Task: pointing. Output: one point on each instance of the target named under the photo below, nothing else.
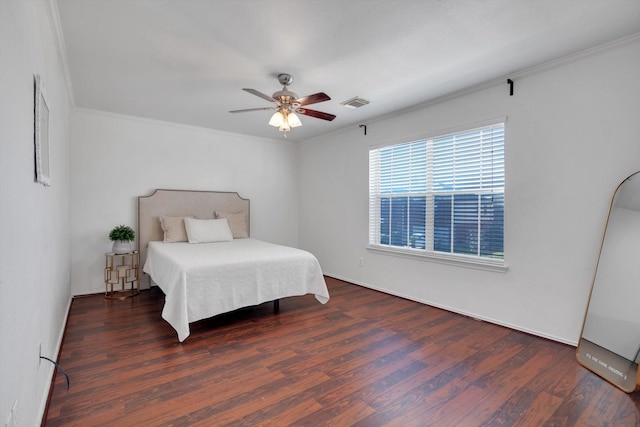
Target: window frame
(458, 259)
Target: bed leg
(276, 306)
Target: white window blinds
(443, 194)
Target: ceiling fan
(287, 104)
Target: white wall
(34, 220)
(115, 159)
(573, 133)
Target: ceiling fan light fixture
(284, 127)
(293, 120)
(284, 120)
(277, 119)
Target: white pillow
(208, 230)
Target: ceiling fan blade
(316, 114)
(313, 99)
(252, 109)
(260, 94)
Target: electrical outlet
(361, 262)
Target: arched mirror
(610, 340)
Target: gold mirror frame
(608, 340)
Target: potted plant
(122, 236)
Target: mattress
(206, 279)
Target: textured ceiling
(186, 61)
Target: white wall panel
(117, 158)
(34, 220)
(572, 134)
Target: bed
(196, 247)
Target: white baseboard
(457, 311)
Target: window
(442, 196)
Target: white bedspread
(205, 279)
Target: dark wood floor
(364, 359)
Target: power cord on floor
(59, 368)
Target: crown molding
(56, 28)
(502, 80)
(176, 125)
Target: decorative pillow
(208, 230)
(173, 227)
(237, 222)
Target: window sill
(457, 260)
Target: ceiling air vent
(356, 102)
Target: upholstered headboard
(200, 204)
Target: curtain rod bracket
(510, 87)
(365, 128)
